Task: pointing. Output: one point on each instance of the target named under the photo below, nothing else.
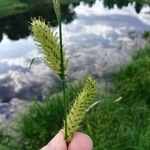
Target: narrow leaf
(31, 63)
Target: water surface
(96, 36)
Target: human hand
(79, 141)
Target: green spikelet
(80, 107)
(56, 4)
(49, 43)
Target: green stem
(63, 75)
(65, 106)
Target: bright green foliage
(43, 120)
(9, 7)
(53, 54)
(49, 44)
(113, 126)
(133, 81)
(80, 106)
(7, 140)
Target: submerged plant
(55, 58)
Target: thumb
(81, 141)
(57, 143)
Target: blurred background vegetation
(122, 125)
(115, 125)
(11, 7)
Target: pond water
(99, 36)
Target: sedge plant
(55, 58)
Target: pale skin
(80, 141)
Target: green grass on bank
(40, 123)
(116, 127)
(133, 80)
(122, 125)
(11, 7)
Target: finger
(57, 143)
(80, 141)
(44, 148)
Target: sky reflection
(96, 41)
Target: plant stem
(65, 107)
(63, 75)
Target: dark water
(96, 34)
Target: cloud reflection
(97, 42)
(16, 79)
(98, 39)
